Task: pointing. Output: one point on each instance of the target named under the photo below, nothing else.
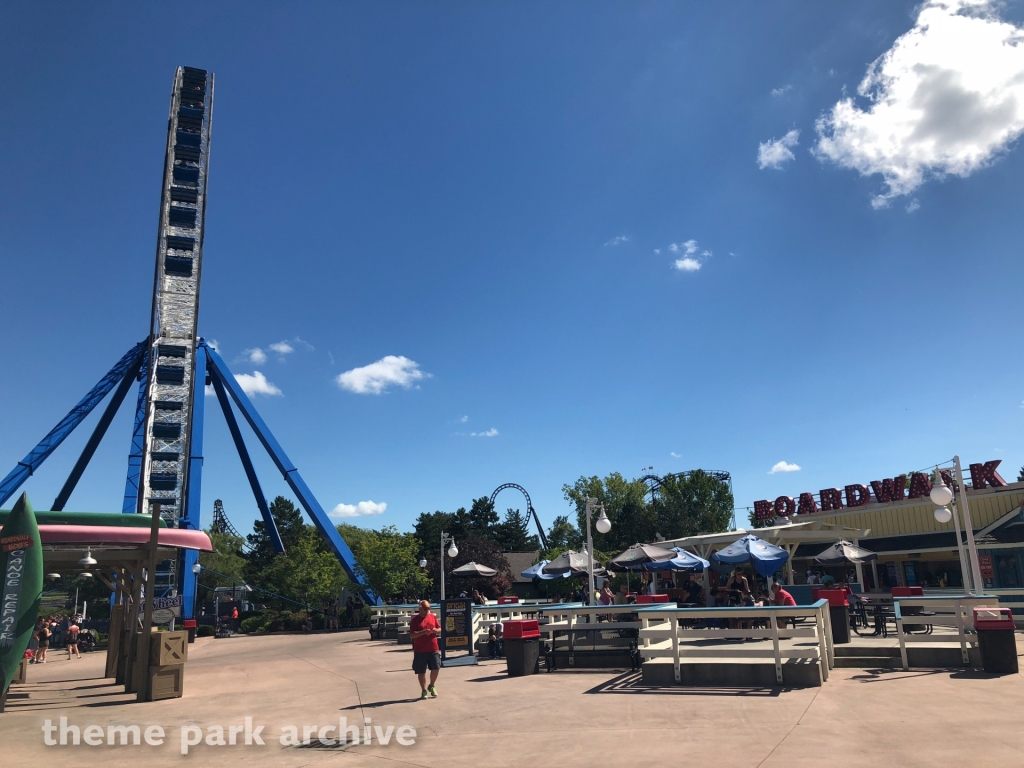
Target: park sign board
(884, 491)
(21, 587)
(456, 626)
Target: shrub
(252, 624)
(295, 620)
(205, 630)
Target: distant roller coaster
(656, 484)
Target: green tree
(288, 519)
(483, 520)
(1020, 475)
(429, 525)
(513, 533)
(226, 558)
(692, 504)
(632, 521)
(307, 572)
(389, 562)
(563, 535)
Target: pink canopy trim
(112, 534)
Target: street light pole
(971, 547)
(452, 552)
(603, 526)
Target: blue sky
(602, 236)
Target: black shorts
(421, 662)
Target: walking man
(424, 629)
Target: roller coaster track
(529, 509)
(655, 485)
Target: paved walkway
(859, 718)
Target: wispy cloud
(492, 432)
(777, 152)
(256, 356)
(213, 344)
(784, 466)
(463, 419)
(617, 240)
(674, 455)
(256, 383)
(376, 378)
(946, 99)
(282, 348)
(782, 91)
(362, 509)
(691, 257)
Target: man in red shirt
(781, 597)
(424, 629)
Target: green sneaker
(424, 695)
(432, 691)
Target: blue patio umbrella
(683, 561)
(537, 572)
(766, 558)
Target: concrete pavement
(879, 718)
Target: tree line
(388, 559)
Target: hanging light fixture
(603, 524)
(941, 494)
(88, 561)
(943, 515)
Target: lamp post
(603, 526)
(452, 552)
(942, 495)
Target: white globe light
(603, 524)
(453, 551)
(943, 515)
(941, 495)
(423, 563)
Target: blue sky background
(481, 188)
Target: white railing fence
(952, 612)
(662, 636)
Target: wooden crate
(166, 682)
(21, 674)
(168, 648)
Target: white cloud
(375, 378)
(690, 260)
(213, 344)
(687, 264)
(913, 205)
(657, 250)
(674, 455)
(781, 91)
(362, 509)
(618, 240)
(463, 419)
(282, 347)
(256, 383)
(688, 248)
(946, 99)
(777, 152)
(784, 466)
(255, 356)
(492, 432)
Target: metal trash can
(996, 640)
(839, 614)
(190, 626)
(522, 647)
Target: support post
(291, 475)
(142, 659)
(250, 471)
(97, 435)
(35, 458)
(130, 504)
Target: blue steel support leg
(97, 435)
(291, 476)
(250, 471)
(130, 505)
(193, 509)
(27, 466)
